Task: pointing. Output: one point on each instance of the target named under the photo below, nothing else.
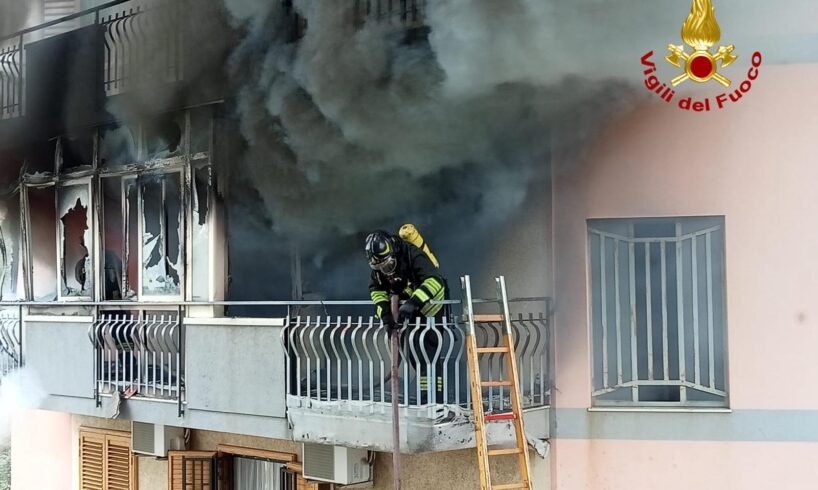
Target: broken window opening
(201, 130)
(162, 235)
(75, 241)
(163, 137)
(42, 239)
(10, 248)
(40, 161)
(118, 145)
(200, 235)
(10, 166)
(76, 152)
(120, 238)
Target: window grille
(658, 311)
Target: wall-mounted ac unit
(336, 464)
(156, 440)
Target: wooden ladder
(484, 452)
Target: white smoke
(20, 390)
(14, 15)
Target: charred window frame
(40, 240)
(113, 215)
(76, 241)
(162, 246)
(11, 247)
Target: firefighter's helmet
(382, 252)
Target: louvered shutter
(92, 461)
(117, 463)
(106, 462)
(191, 470)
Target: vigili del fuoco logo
(701, 32)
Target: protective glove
(407, 311)
(389, 324)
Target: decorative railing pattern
(11, 78)
(143, 44)
(348, 359)
(11, 355)
(657, 309)
(139, 356)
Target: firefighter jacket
(416, 279)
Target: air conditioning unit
(336, 464)
(156, 440)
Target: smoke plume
(355, 126)
(13, 16)
(361, 126)
(19, 390)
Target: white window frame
(620, 375)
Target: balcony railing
(11, 78)
(341, 359)
(143, 45)
(139, 355)
(11, 354)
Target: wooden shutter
(117, 462)
(106, 462)
(295, 477)
(191, 470)
(92, 461)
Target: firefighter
(402, 269)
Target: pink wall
(42, 448)
(756, 163)
(614, 465)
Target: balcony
(339, 381)
(311, 378)
(107, 51)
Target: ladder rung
(509, 486)
(488, 318)
(495, 384)
(489, 350)
(500, 416)
(504, 452)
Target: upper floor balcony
(141, 45)
(310, 375)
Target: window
(10, 248)
(658, 311)
(42, 242)
(75, 242)
(162, 253)
(106, 462)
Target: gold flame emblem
(701, 32)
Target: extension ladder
(484, 452)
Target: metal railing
(143, 44)
(327, 357)
(348, 359)
(139, 355)
(658, 333)
(11, 352)
(11, 77)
